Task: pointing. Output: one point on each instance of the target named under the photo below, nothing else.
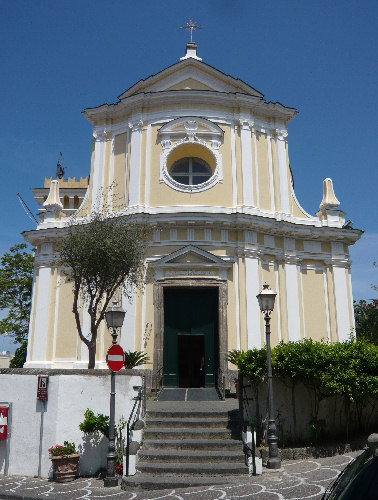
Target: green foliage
(104, 254)
(233, 356)
(252, 364)
(95, 423)
(304, 360)
(348, 369)
(19, 357)
(353, 372)
(366, 319)
(135, 358)
(62, 451)
(16, 280)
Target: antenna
(26, 208)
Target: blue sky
(58, 58)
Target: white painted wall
(69, 395)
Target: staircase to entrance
(191, 438)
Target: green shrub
(135, 358)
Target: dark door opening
(191, 346)
(191, 358)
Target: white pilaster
(86, 331)
(246, 161)
(344, 327)
(148, 167)
(56, 315)
(127, 337)
(41, 315)
(98, 168)
(256, 168)
(327, 305)
(237, 303)
(233, 165)
(270, 168)
(111, 178)
(253, 311)
(278, 307)
(292, 292)
(135, 162)
(292, 299)
(282, 171)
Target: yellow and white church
(203, 158)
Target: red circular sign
(115, 357)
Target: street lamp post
(114, 317)
(266, 300)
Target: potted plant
(65, 462)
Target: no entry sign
(115, 358)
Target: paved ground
(297, 480)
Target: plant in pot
(65, 462)
(135, 358)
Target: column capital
(246, 124)
(279, 134)
(136, 126)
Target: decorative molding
(185, 130)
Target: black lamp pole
(114, 318)
(266, 300)
(274, 461)
(111, 479)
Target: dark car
(359, 479)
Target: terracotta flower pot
(65, 468)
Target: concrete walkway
(301, 479)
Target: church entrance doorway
(191, 345)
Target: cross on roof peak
(191, 26)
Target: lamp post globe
(266, 300)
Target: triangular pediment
(191, 256)
(191, 74)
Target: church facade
(203, 158)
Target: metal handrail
(139, 407)
(244, 405)
(251, 451)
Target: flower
(65, 450)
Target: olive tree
(102, 255)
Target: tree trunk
(92, 355)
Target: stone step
(187, 422)
(188, 456)
(178, 413)
(186, 433)
(192, 444)
(168, 482)
(213, 469)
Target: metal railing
(138, 410)
(243, 405)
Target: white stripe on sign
(115, 357)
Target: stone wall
(294, 415)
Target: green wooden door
(190, 337)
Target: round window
(190, 171)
